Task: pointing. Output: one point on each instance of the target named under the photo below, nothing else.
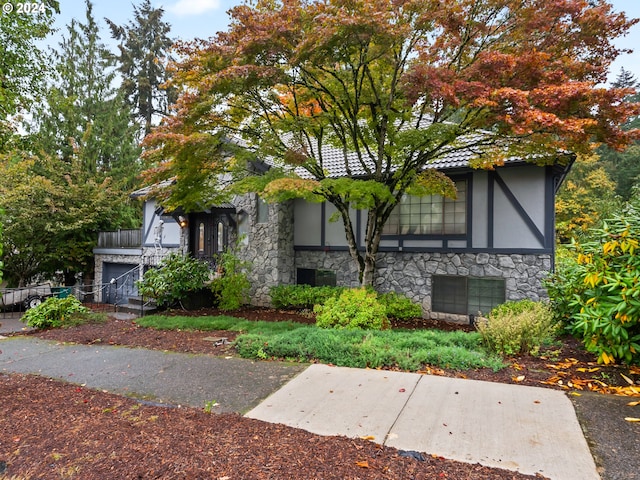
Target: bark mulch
(50, 429)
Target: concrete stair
(138, 306)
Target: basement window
(316, 278)
(466, 295)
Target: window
(316, 278)
(431, 215)
(201, 238)
(263, 211)
(243, 228)
(221, 239)
(465, 295)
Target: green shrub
(354, 308)
(404, 350)
(302, 296)
(55, 312)
(596, 292)
(565, 285)
(232, 287)
(173, 279)
(399, 306)
(307, 297)
(516, 328)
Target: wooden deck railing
(120, 239)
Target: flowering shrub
(597, 294)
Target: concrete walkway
(509, 426)
(531, 430)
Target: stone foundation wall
(411, 273)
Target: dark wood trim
(505, 251)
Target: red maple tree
(392, 86)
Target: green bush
(596, 292)
(307, 297)
(354, 308)
(516, 328)
(55, 312)
(232, 287)
(173, 279)
(302, 296)
(399, 306)
(410, 351)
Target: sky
(191, 19)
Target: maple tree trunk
(372, 242)
(367, 273)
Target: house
(456, 258)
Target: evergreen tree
(144, 46)
(624, 167)
(22, 64)
(85, 117)
(87, 161)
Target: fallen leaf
(575, 394)
(632, 419)
(519, 378)
(627, 379)
(402, 390)
(363, 464)
(368, 437)
(633, 404)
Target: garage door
(119, 280)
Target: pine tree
(144, 46)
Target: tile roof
(335, 166)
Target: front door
(208, 235)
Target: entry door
(209, 235)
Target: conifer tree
(85, 116)
(144, 51)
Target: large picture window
(430, 215)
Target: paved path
(531, 430)
(510, 426)
(178, 379)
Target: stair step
(137, 309)
(138, 300)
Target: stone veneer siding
(269, 248)
(411, 273)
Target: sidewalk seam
(415, 386)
